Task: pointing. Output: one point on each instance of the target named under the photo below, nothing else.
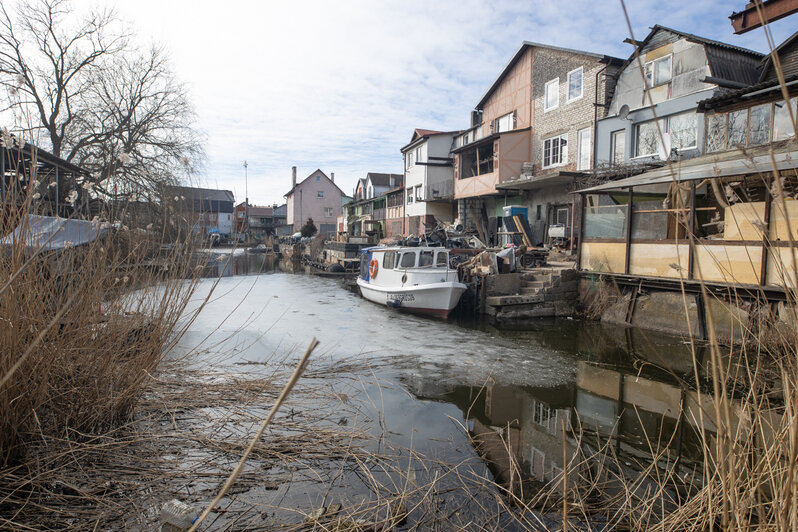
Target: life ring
(373, 268)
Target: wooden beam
(628, 250)
(748, 19)
(763, 267)
(691, 248)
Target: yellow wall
(778, 223)
(729, 264)
(608, 257)
(742, 219)
(657, 260)
(780, 267)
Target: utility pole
(246, 200)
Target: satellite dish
(623, 112)
(664, 147)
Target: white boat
(413, 279)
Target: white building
(429, 179)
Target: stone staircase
(543, 292)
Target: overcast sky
(341, 85)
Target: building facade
(316, 197)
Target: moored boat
(415, 279)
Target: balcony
(443, 190)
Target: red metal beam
(772, 10)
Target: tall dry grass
(82, 328)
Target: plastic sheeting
(51, 233)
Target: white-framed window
(418, 193)
(410, 195)
(504, 123)
(583, 148)
(319, 193)
(551, 99)
(240, 214)
(418, 154)
(328, 212)
(681, 130)
(575, 84)
(370, 193)
(658, 71)
(410, 158)
(555, 151)
(618, 146)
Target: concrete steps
(542, 292)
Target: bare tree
(100, 102)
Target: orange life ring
(373, 268)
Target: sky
(341, 86)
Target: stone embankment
(532, 293)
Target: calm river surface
(439, 386)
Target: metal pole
(246, 198)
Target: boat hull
(434, 299)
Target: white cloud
(341, 85)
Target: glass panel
(738, 128)
(408, 259)
(583, 149)
(552, 95)
(442, 260)
(759, 132)
(650, 221)
(425, 259)
(618, 146)
(390, 260)
(716, 133)
(683, 130)
(604, 218)
(647, 139)
(662, 70)
(575, 84)
(782, 129)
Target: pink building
(317, 197)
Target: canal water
(498, 401)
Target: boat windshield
(425, 259)
(389, 260)
(442, 259)
(408, 259)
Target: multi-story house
(316, 197)
(720, 209)
(395, 221)
(531, 133)
(367, 214)
(429, 179)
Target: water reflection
(229, 262)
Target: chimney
(332, 177)
(293, 176)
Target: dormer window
(658, 71)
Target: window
(212, 217)
(583, 147)
(418, 154)
(442, 259)
(425, 259)
(539, 213)
(647, 141)
(552, 96)
(782, 128)
(410, 195)
(683, 130)
(738, 128)
(318, 178)
(408, 260)
(410, 158)
(389, 260)
(759, 120)
(555, 151)
(716, 132)
(418, 193)
(319, 193)
(575, 84)
(658, 71)
(504, 123)
(240, 214)
(328, 212)
(618, 146)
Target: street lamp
(246, 200)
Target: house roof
(317, 170)
(419, 134)
(787, 57)
(212, 194)
(726, 61)
(701, 168)
(256, 210)
(529, 44)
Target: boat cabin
(402, 259)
